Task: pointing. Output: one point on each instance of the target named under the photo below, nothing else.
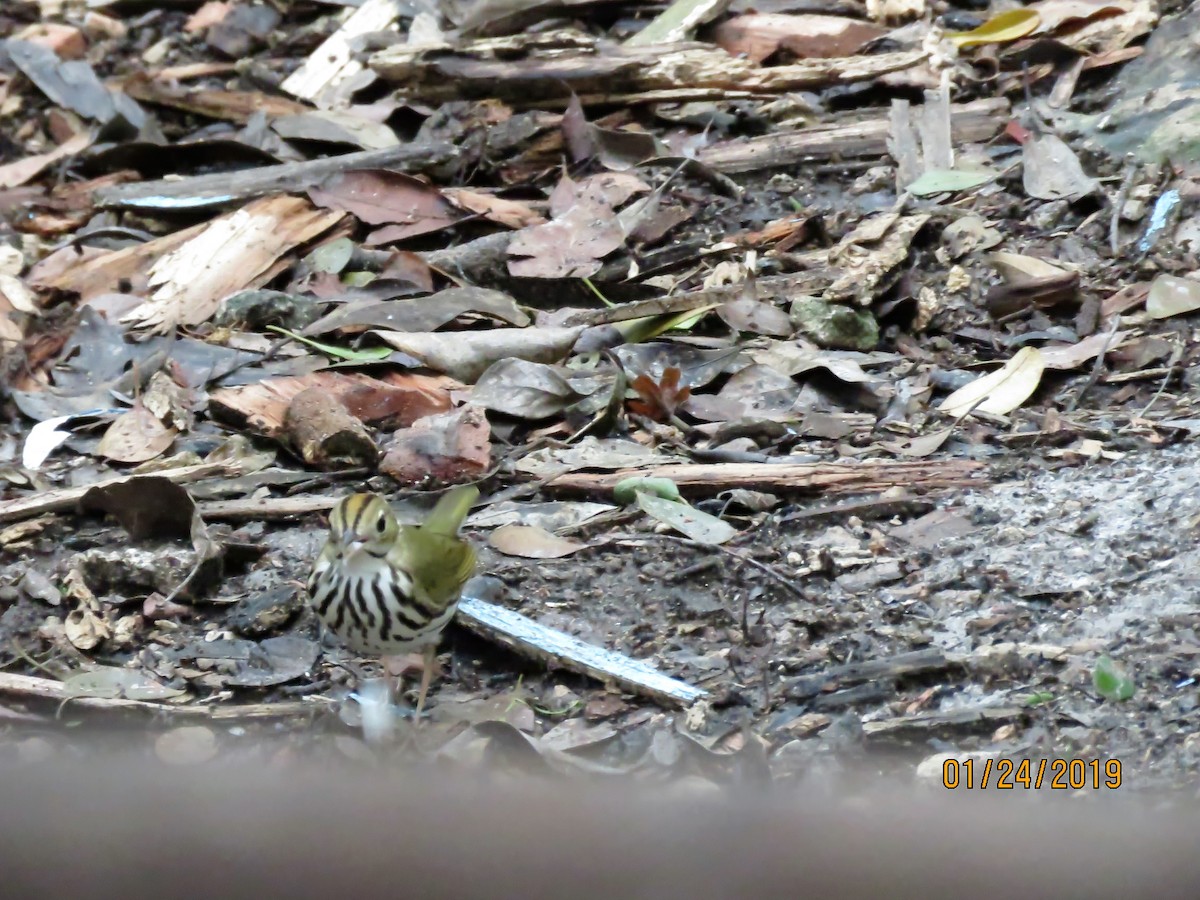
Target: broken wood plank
(528, 638)
(221, 188)
(701, 478)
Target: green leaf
(948, 181)
(697, 525)
(1038, 698)
(1111, 681)
(368, 354)
(627, 489)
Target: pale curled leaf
(1171, 295)
(531, 542)
(1001, 391)
(466, 355)
(697, 525)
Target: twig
(1172, 362)
(1114, 237)
(1094, 375)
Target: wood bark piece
(45, 690)
(333, 62)
(698, 478)
(528, 638)
(979, 120)
(255, 509)
(321, 428)
(236, 251)
(559, 63)
(921, 727)
(224, 188)
(871, 670)
(64, 499)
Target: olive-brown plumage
(386, 588)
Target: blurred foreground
(120, 826)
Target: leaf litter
(704, 312)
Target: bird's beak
(351, 543)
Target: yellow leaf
(1002, 391)
(1000, 29)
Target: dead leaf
(1171, 295)
(380, 197)
(531, 542)
(659, 399)
(1052, 171)
(135, 436)
(1001, 391)
(528, 390)
(466, 355)
(759, 35)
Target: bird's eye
(380, 525)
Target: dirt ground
(1003, 614)
(993, 605)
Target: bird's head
(362, 523)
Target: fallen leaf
(450, 448)
(1001, 391)
(1171, 295)
(531, 542)
(697, 525)
(524, 389)
(1002, 28)
(135, 437)
(466, 355)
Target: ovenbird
(386, 588)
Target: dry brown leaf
(758, 35)
(135, 436)
(531, 542)
(380, 197)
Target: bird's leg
(429, 655)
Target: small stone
(267, 612)
(37, 586)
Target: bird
(390, 589)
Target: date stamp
(1010, 774)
